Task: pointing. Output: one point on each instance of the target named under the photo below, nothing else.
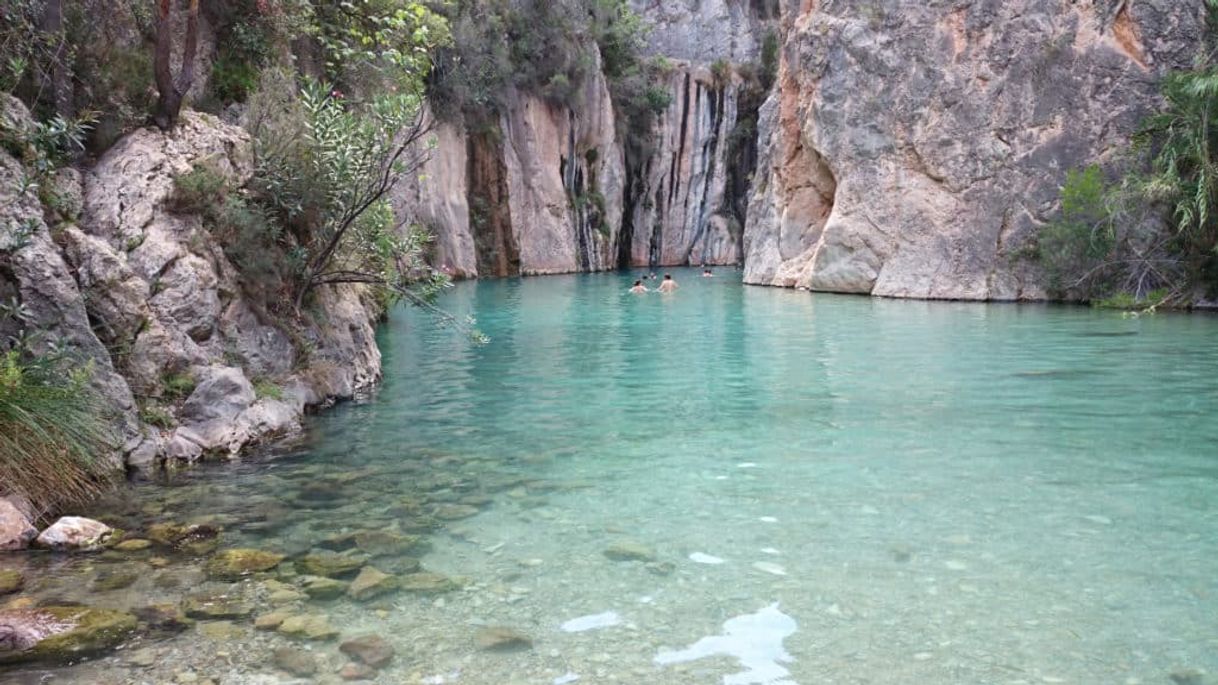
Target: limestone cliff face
(536, 190)
(677, 207)
(912, 149)
(147, 293)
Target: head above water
(668, 277)
(638, 282)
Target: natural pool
(824, 489)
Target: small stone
(330, 564)
(661, 568)
(630, 550)
(272, 620)
(426, 583)
(16, 531)
(372, 650)
(142, 658)
(286, 597)
(379, 543)
(216, 607)
(297, 662)
(234, 564)
(221, 631)
(75, 534)
(354, 671)
(164, 617)
(11, 581)
(501, 639)
(453, 512)
(371, 583)
(133, 545)
(322, 588)
(308, 626)
(115, 579)
(1187, 676)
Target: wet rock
(61, 634)
(1187, 676)
(286, 597)
(11, 581)
(216, 607)
(297, 662)
(501, 639)
(629, 550)
(16, 531)
(75, 534)
(453, 512)
(426, 583)
(322, 588)
(661, 568)
(330, 564)
(198, 539)
(164, 617)
(354, 671)
(116, 579)
(309, 627)
(142, 658)
(399, 565)
(371, 650)
(273, 620)
(234, 564)
(221, 631)
(371, 583)
(379, 543)
(133, 545)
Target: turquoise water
(892, 491)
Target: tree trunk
(171, 91)
(61, 76)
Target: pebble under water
(735, 485)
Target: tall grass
(54, 431)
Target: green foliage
(199, 191)
(155, 415)
(385, 42)
(177, 386)
(266, 388)
(1130, 302)
(53, 426)
(769, 59)
(1071, 246)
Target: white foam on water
(647, 599)
(770, 567)
(769, 519)
(754, 639)
(769, 550)
(565, 679)
(746, 465)
(720, 477)
(700, 558)
(592, 622)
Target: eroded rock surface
(913, 149)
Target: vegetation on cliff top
(1107, 243)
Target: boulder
(16, 531)
(371, 650)
(371, 583)
(75, 534)
(61, 634)
(234, 564)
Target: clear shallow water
(928, 493)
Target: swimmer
(668, 285)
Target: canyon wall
(912, 149)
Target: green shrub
(1077, 242)
(155, 415)
(177, 386)
(264, 387)
(201, 190)
(54, 429)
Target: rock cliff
(147, 295)
(912, 149)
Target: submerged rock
(116, 578)
(355, 671)
(379, 543)
(371, 583)
(454, 512)
(297, 662)
(308, 626)
(217, 607)
(11, 581)
(371, 650)
(198, 539)
(330, 564)
(75, 534)
(16, 531)
(630, 550)
(164, 617)
(61, 634)
(133, 545)
(320, 587)
(427, 583)
(233, 564)
(501, 639)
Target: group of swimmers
(667, 285)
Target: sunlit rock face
(912, 149)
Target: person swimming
(638, 287)
(667, 285)
(706, 273)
